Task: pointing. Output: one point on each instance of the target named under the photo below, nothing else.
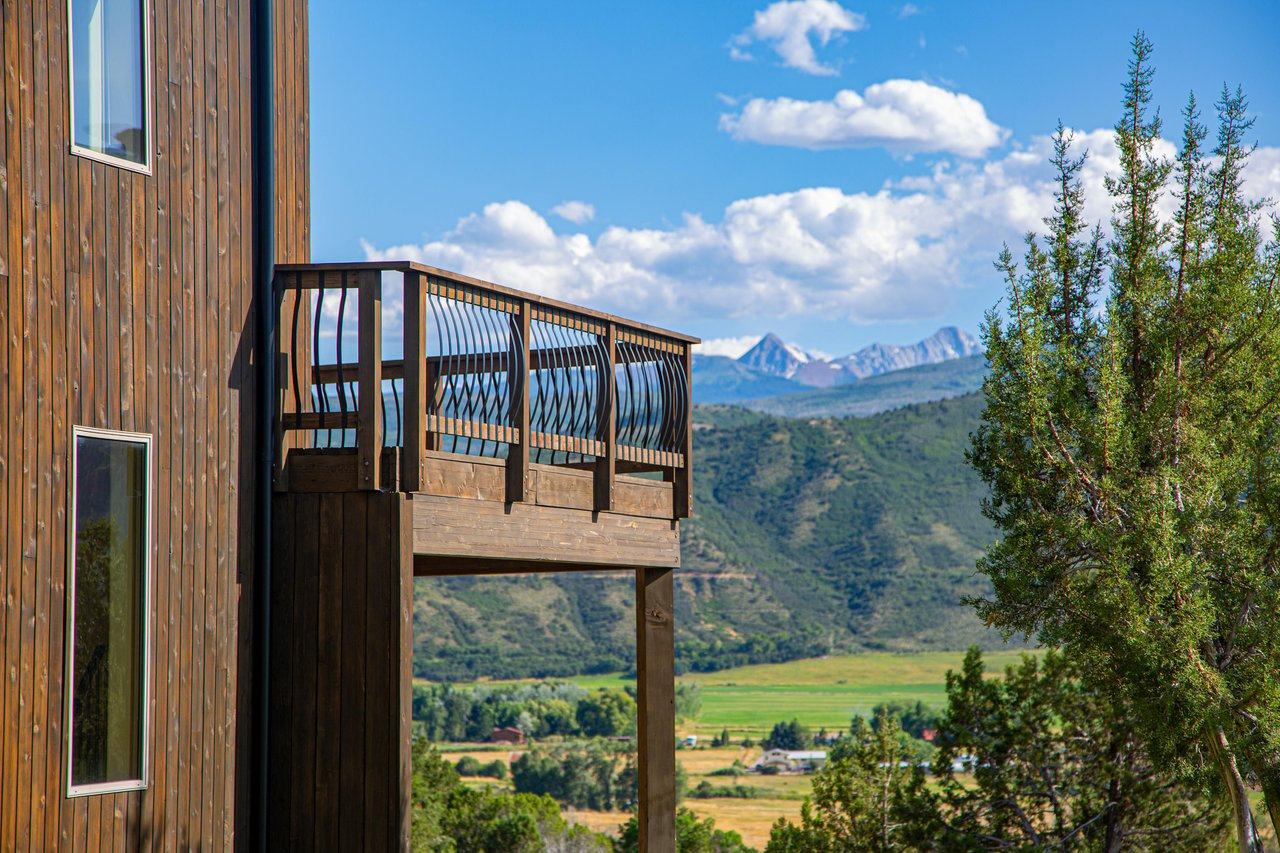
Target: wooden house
(506, 734)
(220, 476)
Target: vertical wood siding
(126, 302)
(342, 592)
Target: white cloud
(728, 347)
(789, 27)
(575, 211)
(904, 116)
(906, 251)
(908, 10)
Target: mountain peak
(774, 356)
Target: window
(108, 660)
(110, 81)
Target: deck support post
(655, 687)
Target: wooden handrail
(309, 280)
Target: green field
(820, 692)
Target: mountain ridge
(809, 536)
(773, 368)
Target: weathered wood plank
(330, 636)
(355, 515)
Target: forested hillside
(809, 536)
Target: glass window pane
(108, 80)
(107, 674)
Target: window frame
(148, 98)
(143, 782)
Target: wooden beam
(414, 432)
(655, 687)
(518, 390)
(552, 536)
(369, 429)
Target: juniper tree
(1131, 440)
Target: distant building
(506, 734)
(793, 760)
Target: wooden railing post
(656, 712)
(607, 465)
(518, 371)
(414, 432)
(683, 479)
(369, 416)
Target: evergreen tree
(1133, 452)
(865, 799)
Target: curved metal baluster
(647, 423)
(457, 364)
(685, 407)
(448, 395)
(493, 403)
(583, 408)
(653, 397)
(552, 359)
(481, 359)
(474, 384)
(632, 397)
(315, 360)
(395, 396)
(382, 399)
(537, 405)
(342, 393)
(436, 390)
(564, 404)
(603, 390)
(622, 381)
(293, 352)
(669, 409)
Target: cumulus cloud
(728, 347)
(908, 10)
(577, 212)
(906, 251)
(904, 116)
(789, 27)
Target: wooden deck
(501, 433)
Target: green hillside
(880, 393)
(811, 536)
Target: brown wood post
(414, 433)
(607, 465)
(518, 368)
(655, 687)
(369, 420)
(683, 480)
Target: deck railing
(475, 369)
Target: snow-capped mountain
(943, 345)
(773, 357)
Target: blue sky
(719, 182)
